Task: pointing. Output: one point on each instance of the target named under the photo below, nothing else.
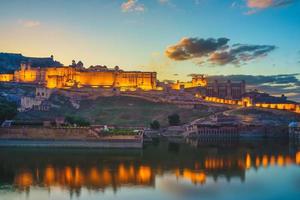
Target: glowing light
(265, 161)
(248, 161)
(144, 174)
(257, 162)
(280, 160)
(272, 161)
(49, 177)
(298, 158)
(25, 180)
(95, 176)
(195, 177)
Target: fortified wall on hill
(64, 77)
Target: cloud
(132, 6)
(189, 48)
(240, 54)
(164, 1)
(257, 5)
(216, 51)
(29, 23)
(262, 4)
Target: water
(199, 170)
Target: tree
(78, 121)
(73, 63)
(79, 65)
(155, 125)
(8, 110)
(174, 119)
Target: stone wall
(64, 137)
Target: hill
(10, 62)
(124, 111)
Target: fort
(197, 81)
(75, 81)
(260, 100)
(67, 77)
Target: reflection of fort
(74, 178)
(98, 171)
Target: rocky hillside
(11, 61)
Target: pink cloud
(257, 5)
(262, 4)
(132, 6)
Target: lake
(248, 169)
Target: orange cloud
(132, 6)
(262, 4)
(259, 3)
(256, 5)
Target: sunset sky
(173, 37)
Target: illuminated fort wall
(27, 75)
(95, 78)
(62, 77)
(6, 77)
(197, 81)
(59, 77)
(119, 79)
(247, 102)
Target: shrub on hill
(155, 125)
(8, 110)
(174, 119)
(75, 120)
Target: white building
(294, 130)
(37, 102)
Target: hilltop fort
(78, 83)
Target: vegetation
(155, 125)
(122, 111)
(78, 121)
(8, 110)
(121, 132)
(174, 119)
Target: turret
(23, 65)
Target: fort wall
(246, 102)
(64, 77)
(6, 77)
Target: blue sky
(135, 34)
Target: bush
(75, 120)
(122, 132)
(174, 119)
(155, 125)
(8, 110)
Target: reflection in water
(298, 158)
(97, 170)
(92, 178)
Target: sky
(176, 38)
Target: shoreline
(65, 137)
(58, 143)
